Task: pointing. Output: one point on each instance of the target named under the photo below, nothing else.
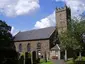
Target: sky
(25, 15)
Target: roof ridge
(38, 29)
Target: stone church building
(45, 41)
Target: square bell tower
(63, 16)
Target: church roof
(35, 34)
(56, 47)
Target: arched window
(20, 47)
(28, 47)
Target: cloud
(46, 22)
(14, 31)
(77, 7)
(18, 7)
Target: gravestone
(34, 57)
(21, 60)
(27, 58)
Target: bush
(38, 60)
(80, 62)
(69, 62)
(83, 58)
(41, 60)
(76, 61)
(8, 56)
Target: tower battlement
(63, 9)
(60, 9)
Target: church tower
(63, 16)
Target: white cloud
(77, 7)
(14, 31)
(46, 22)
(18, 7)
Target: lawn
(49, 62)
(67, 62)
(71, 61)
(43, 62)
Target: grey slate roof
(34, 34)
(56, 47)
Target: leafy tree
(5, 35)
(8, 55)
(78, 31)
(72, 38)
(68, 42)
(64, 45)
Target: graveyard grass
(67, 62)
(49, 62)
(43, 62)
(71, 61)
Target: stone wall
(33, 44)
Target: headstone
(27, 58)
(34, 57)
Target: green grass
(43, 62)
(71, 61)
(83, 58)
(67, 62)
(49, 62)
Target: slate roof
(43, 33)
(56, 47)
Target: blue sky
(25, 15)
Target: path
(58, 61)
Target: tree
(5, 35)
(67, 41)
(7, 48)
(64, 45)
(78, 31)
(72, 38)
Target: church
(44, 42)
